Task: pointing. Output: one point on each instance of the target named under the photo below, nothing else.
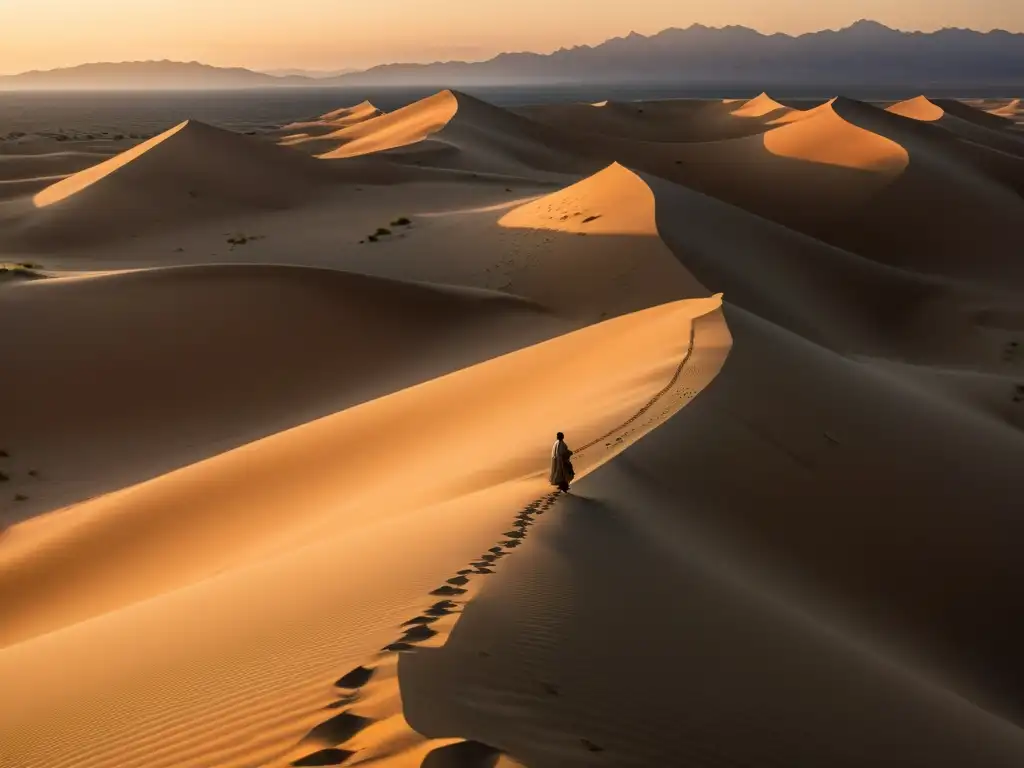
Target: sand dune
(865, 180)
(305, 506)
(189, 172)
(296, 134)
(978, 126)
(1009, 110)
(734, 596)
(453, 130)
(762, 106)
(681, 120)
(276, 428)
(171, 366)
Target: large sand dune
(682, 120)
(453, 130)
(865, 180)
(275, 425)
(189, 172)
(304, 131)
(128, 375)
(758, 606)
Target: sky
(336, 34)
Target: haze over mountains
(866, 52)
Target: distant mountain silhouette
(866, 53)
(146, 75)
(315, 74)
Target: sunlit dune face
(83, 179)
(614, 202)
(918, 108)
(761, 106)
(828, 139)
(401, 128)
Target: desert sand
(277, 412)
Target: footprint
(398, 647)
(512, 544)
(345, 701)
(357, 678)
(448, 590)
(514, 534)
(464, 571)
(420, 620)
(496, 550)
(442, 608)
(550, 689)
(465, 754)
(338, 729)
(458, 581)
(591, 746)
(325, 757)
(418, 633)
(483, 570)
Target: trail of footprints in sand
(341, 728)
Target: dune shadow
(336, 730)
(465, 754)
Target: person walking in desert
(562, 471)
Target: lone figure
(562, 472)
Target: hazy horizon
(264, 36)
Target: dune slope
(315, 506)
(313, 523)
(190, 172)
(739, 603)
(453, 130)
(129, 375)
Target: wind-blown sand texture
(277, 412)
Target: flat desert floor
(277, 406)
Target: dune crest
(453, 130)
(189, 172)
(302, 132)
(918, 108)
(244, 332)
(830, 139)
(761, 106)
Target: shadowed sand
(277, 413)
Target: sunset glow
(329, 34)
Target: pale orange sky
(332, 34)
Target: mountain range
(864, 53)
